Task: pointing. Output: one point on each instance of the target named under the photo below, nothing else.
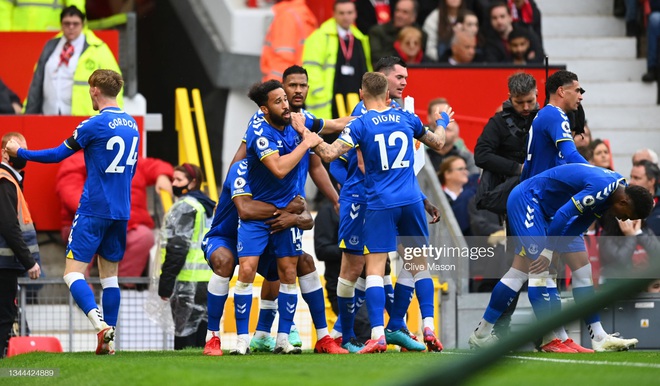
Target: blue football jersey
(255, 124)
(385, 139)
(549, 127)
(110, 141)
(225, 221)
(263, 140)
(586, 186)
(353, 187)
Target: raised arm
(330, 152)
(322, 179)
(280, 166)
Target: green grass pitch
(190, 367)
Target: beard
(278, 120)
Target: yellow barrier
(188, 145)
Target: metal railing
(48, 309)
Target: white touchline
(575, 361)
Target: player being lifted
(394, 199)
(110, 142)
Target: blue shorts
(211, 244)
(571, 244)
(254, 239)
(267, 264)
(381, 228)
(528, 224)
(529, 227)
(351, 223)
(94, 235)
(267, 267)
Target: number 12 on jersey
(391, 141)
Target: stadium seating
(24, 344)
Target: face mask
(17, 163)
(179, 191)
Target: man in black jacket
(500, 152)
(19, 251)
(501, 147)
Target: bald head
(463, 46)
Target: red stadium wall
(473, 92)
(26, 48)
(44, 132)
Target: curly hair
(642, 200)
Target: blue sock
(110, 299)
(540, 300)
(266, 315)
(375, 295)
(360, 297)
(347, 310)
(425, 295)
(316, 303)
(581, 294)
(500, 299)
(337, 327)
(555, 300)
(215, 305)
(287, 302)
(403, 294)
(242, 307)
(83, 296)
(389, 294)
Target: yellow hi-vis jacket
(41, 15)
(96, 55)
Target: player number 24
(391, 141)
(132, 154)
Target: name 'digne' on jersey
(385, 118)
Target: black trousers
(8, 309)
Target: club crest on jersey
(533, 249)
(354, 240)
(262, 143)
(239, 246)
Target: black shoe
(649, 77)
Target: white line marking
(574, 361)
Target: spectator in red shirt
(140, 237)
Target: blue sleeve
(237, 179)
(48, 156)
(564, 223)
(570, 153)
(351, 133)
(418, 127)
(339, 170)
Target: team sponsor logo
(279, 143)
(588, 200)
(262, 143)
(239, 182)
(529, 217)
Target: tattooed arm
(434, 140)
(330, 152)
